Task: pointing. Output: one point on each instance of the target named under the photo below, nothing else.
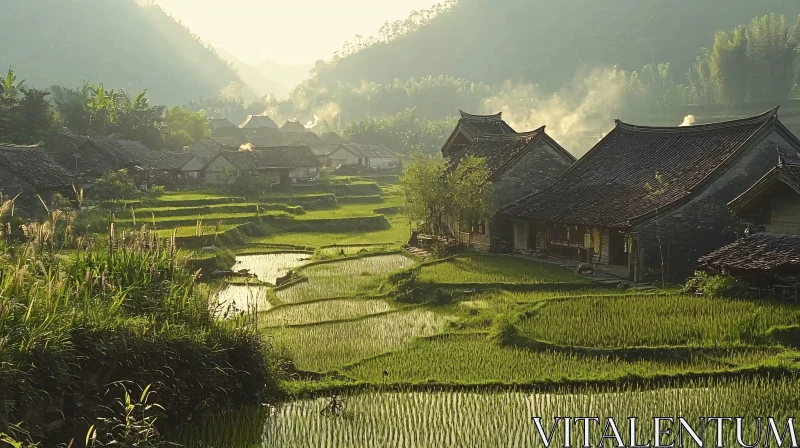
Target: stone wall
(705, 223)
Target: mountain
(547, 41)
(123, 43)
(268, 77)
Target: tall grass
(71, 324)
(657, 320)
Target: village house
(375, 156)
(254, 122)
(27, 171)
(611, 209)
(518, 165)
(177, 169)
(767, 257)
(294, 126)
(91, 157)
(470, 126)
(219, 123)
(209, 147)
(277, 166)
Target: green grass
(474, 359)
(209, 217)
(488, 269)
(399, 232)
(189, 231)
(656, 321)
(324, 310)
(345, 211)
(329, 346)
(342, 278)
(246, 207)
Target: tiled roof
(332, 138)
(258, 121)
(217, 123)
(172, 160)
(500, 151)
(484, 124)
(274, 157)
(361, 150)
(758, 252)
(787, 171)
(34, 166)
(294, 126)
(607, 186)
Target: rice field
(187, 231)
(324, 310)
(398, 232)
(236, 298)
(342, 278)
(487, 269)
(330, 346)
(503, 418)
(268, 267)
(656, 321)
(473, 359)
(349, 251)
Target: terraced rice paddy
(476, 360)
(656, 321)
(342, 278)
(236, 298)
(325, 310)
(503, 418)
(329, 346)
(397, 233)
(496, 269)
(268, 267)
(349, 251)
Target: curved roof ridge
(716, 126)
(468, 116)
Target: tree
(185, 127)
(471, 191)
(116, 185)
(426, 191)
(432, 193)
(26, 116)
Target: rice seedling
(349, 251)
(471, 358)
(324, 310)
(398, 232)
(503, 418)
(268, 267)
(342, 278)
(657, 320)
(329, 346)
(489, 269)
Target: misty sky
(287, 31)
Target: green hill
(123, 43)
(546, 41)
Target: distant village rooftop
(33, 166)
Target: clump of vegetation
(715, 285)
(407, 288)
(504, 328)
(127, 312)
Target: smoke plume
(689, 120)
(577, 116)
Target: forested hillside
(545, 41)
(130, 45)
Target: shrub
(116, 185)
(504, 328)
(716, 285)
